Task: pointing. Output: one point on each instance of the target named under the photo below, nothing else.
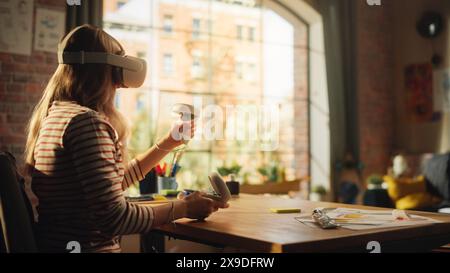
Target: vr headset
(127, 71)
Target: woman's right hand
(198, 206)
(180, 132)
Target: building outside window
(250, 74)
(196, 28)
(120, 4)
(168, 64)
(239, 70)
(168, 24)
(197, 71)
(251, 34)
(239, 32)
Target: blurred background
(357, 83)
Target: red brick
(34, 87)
(21, 77)
(375, 87)
(17, 118)
(12, 139)
(20, 58)
(5, 78)
(51, 59)
(40, 78)
(5, 58)
(44, 69)
(15, 97)
(15, 87)
(37, 58)
(53, 3)
(16, 67)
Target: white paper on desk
(356, 219)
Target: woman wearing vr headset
(76, 156)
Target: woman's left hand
(180, 132)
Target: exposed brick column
(375, 85)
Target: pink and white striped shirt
(79, 179)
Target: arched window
(227, 53)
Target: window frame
(196, 28)
(197, 34)
(168, 67)
(168, 28)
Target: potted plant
(374, 181)
(318, 193)
(226, 171)
(376, 195)
(270, 173)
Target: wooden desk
(249, 225)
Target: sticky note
(169, 192)
(159, 197)
(285, 210)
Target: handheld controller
(221, 191)
(186, 113)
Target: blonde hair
(89, 85)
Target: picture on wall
(16, 26)
(50, 26)
(419, 93)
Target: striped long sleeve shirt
(79, 179)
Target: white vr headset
(129, 72)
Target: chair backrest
(17, 226)
(437, 171)
(4, 245)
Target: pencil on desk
(175, 169)
(158, 170)
(173, 160)
(178, 157)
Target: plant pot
(374, 186)
(317, 197)
(233, 186)
(166, 183)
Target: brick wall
(375, 85)
(22, 79)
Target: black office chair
(437, 174)
(15, 210)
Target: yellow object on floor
(417, 201)
(403, 186)
(410, 193)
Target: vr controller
(221, 192)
